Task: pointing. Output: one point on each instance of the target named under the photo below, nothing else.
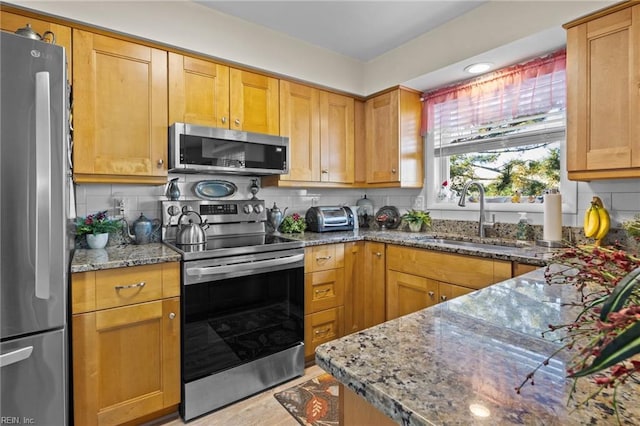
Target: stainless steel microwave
(200, 149)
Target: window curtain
(534, 87)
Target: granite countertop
(132, 255)
(494, 248)
(85, 260)
(435, 366)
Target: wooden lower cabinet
(523, 268)
(324, 290)
(364, 302)
(126, 359)
(355, 410)
(419, 278)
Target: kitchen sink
(468, 244)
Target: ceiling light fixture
(478, 68)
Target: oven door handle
(226, 269)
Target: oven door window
(238, 320)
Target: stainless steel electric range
(242, 303)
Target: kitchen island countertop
(120, 256)
(442, 364)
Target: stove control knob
(258, 208)
(186, 209)
(173, 210)
(247, 208)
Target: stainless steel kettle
(30, 33)
(191, 233)
(275, 216)
(143, 228)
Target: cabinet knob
(393, 171)
(378, 254)
(431, 294)
(172, 315)
(224, 120)
(325, 171)
(443, 297)
(237, 121)
(160, 162)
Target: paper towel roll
(552, 230)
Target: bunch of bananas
(596, 221)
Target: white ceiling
(361, 30)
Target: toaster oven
(330, 218)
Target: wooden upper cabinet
(603, 95)
(120, 110)
(198, 91)
(336, 138)
(300, 122)
(11, 22)
(393, 142)
(254, 100)
(320, 128)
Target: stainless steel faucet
(481, 222)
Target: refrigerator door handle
(15, 356)
(43, 189)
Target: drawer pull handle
(322, 331)
(323, 258)
(431, 293)
(443, 298)
(138, 285)
(326, 290)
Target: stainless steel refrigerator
(34, 211)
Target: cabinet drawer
(323, 290)
(321, 327)
(322, 258)
(110, 288)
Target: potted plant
(293, 223)
(97, 227)
(416, 218)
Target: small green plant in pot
(293, 224)
(416, 219)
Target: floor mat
(314, 402)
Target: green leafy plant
(633, 227)
(97, 223)
(293, 223)
(605, 336)
(417, 216)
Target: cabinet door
(337, 117)
(374, 288)
(300, 121)
(354, 287)
(603, 103)
(450, 291)
(11, 22)
(254, 102)
(126, 362)
(408, 293)
(382, 135)
(120, 110)
(198, 91)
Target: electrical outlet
(418, 203)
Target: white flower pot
(97, 241)
(415, 226)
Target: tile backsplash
(622, 198)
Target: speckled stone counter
(85, 260)
(439, 365)
(492, 247)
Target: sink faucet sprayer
(481, 222)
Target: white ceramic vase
(97, 241)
